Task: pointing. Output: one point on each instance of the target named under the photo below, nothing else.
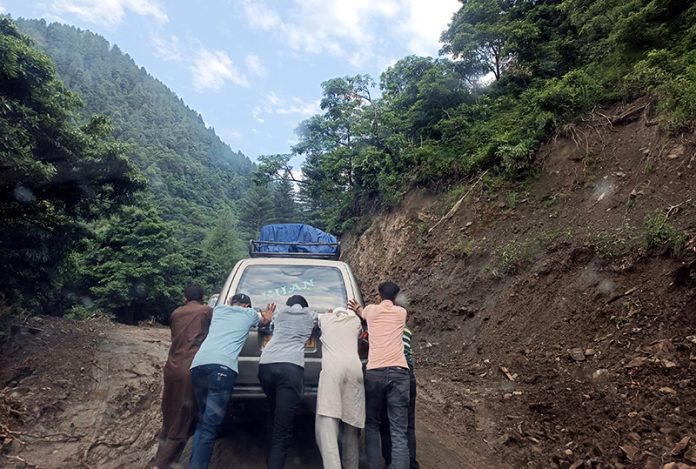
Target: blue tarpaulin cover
(296, 233)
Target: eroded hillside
(555, 320)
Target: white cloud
(425, 22)
(260, 16)
(168, 49)
(321, 26)
(272, 99)
(2, 9)
(299, 106)
(354, 29)
(254, 65)
(231, 134)
(211, 69)
(108, 12)
(357, 59)
(256, 114)
(324, 25)
(273, 104)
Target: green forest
(115, 194)
(433, 122)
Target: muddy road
(244, 445)
(87, 394)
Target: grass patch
(660, 233)
(79, 313)
(451, 197)
(421, 234)
(492, 183)
(657, 233)
(462, 247)
(517, 254)
(609, 244)
(512, 199)
(514, 256)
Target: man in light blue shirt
(214, 370)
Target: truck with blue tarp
(289, 259)
(294, 240)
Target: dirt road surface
(87, 395)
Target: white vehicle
(325, 283)
(212, 301)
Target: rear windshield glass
(321, 286)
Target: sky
(253, 68)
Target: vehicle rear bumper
(248, 401)
(248, 386)
(251, 392)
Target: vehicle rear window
(321, 286)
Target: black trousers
(283, 384)
(410, 433)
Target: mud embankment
(546, 333)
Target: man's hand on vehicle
(267, 314)
(355, 306)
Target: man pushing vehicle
(214, 370)
(387, 380)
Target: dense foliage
(92, 221)
(435, 122)
(122, 224)
(55, 175)
(135, 267)
(192, 175)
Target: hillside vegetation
(513, 75)
(115, 194)
(435, 123)
(193, 176)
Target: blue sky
(253, 68)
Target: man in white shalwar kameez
(341, 393)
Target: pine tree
(255, 210)
(224, 245)
(136, 269)
(284, 201)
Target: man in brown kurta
(189, 324)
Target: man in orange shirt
(387, 377)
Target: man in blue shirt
(214, 370)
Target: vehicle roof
(291, 261)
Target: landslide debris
(554, 320)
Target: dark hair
(388, 290)
(240, 299)
(297, 300)
(193, 292)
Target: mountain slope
(193, 175)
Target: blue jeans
(388, 386)
(411, 432)
(212, 385)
